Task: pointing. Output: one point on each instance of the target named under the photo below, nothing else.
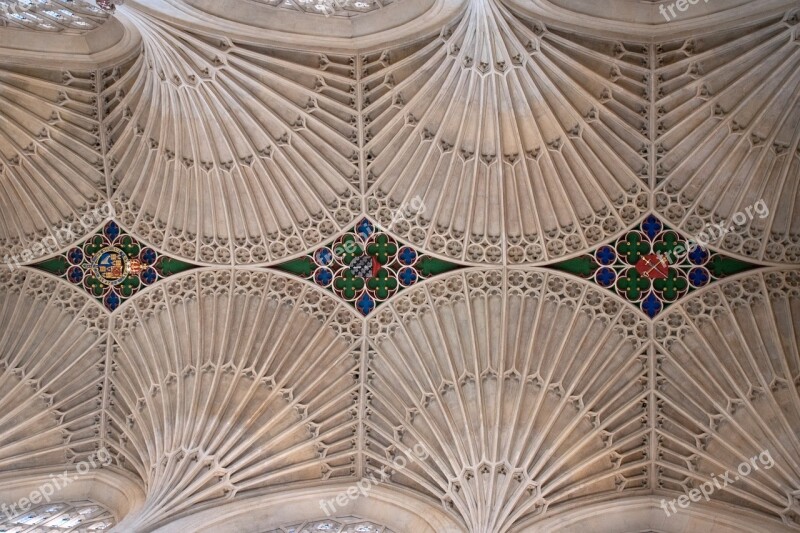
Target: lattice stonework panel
(72, 16)
(336, 8)
(51, 160)
(53, 344)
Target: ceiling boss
(111, 266)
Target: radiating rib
(52, 355)
(232, 153)
(525, 143)
(728, 390)
(217, 388)
(519, 401)
(51, 159)
(727, 137)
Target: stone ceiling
(256, 256)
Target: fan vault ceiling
(328, 250)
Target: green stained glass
(652, 266)
(112, 266)
(366, 266)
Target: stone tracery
(532, 391)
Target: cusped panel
(51, 160)
(728, 152)
(53, 349)
(111, 266)
(504, 396)
(513, 141)
(225, 382)
(228, 153)
(728, 395)
(652, 266)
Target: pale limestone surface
(237, 398)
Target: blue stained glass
(651, 305)
(112, 301)
(606, 255)
(407, 256)
(365, 304)
(323, 256)
(75, 274)
(652, 226)
(698, 256)
(606, 277)
(365, 228)
(407, 276)
(699, 276)
(149, 256)
(323, 277)
(112, 231)
(149, 276)
(75, 256)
